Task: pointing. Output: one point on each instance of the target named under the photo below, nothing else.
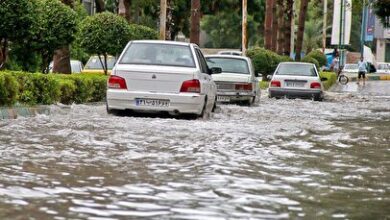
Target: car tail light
(315, 85)
(116, 82)
(246, 86)
(275, 83)
(190, 86)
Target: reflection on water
(281, 159)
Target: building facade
(382, 36)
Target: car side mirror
(269, 77)
(323, 79)
(257, 74)
(216, 70)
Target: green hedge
(331, 79)
(319, 56)
(308, 59)
(36, 88)
(265, 61)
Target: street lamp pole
(363, 29)
(341, 32)
(324, 25)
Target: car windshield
(229, 65)
(296, 69)
(383, 67)
(351, 66)
(94, 63)
(158, 54)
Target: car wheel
(204, 113)
(215, 105)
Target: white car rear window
(229, 65)
(296, 70)
(158, 54)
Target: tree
(382, 10)
(289, 13)
(195, 21)
(100, 40)
(124, 9)
(17, 19)
(55, 29)
(268, 24)
(301, 28)
(61, 58)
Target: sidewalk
(369, 76)
(22, 111)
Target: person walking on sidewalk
(362, 65)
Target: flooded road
(278, 160)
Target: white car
(350, 68)
(238, 82)
(162, 76)
(76, 66)
(296, 79)
(230, 52)
(383, 68)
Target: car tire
(204, 113)
(215, 105)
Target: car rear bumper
(295, 93)
(179, 103)
(235, 96)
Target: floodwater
(282, 159)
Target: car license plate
(152, 102)
(295, 84)
(223, 99)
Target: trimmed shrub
(140, 32)
(319, 56)
(308, 59)
(331, 79)
(265, 61)
(68, 91)
(8, 89)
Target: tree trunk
(124, 9)
(289, 13)
(275, 26)
(61, 61)
(170, 23)
(195, 21)
(301, 28)
(3, 52)
(281, 23)
(268, 24)
(61, 58)
(100, 6)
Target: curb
(374, 78)
(15, 112)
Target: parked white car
(296, 79)
(162, 76)
(76, 66)
(230, 52)
(350, 68)
(238, 82)
(383, 68)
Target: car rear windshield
(94, 63)
(296, 70)
(158, 54)
(351, 66)
(229, 65)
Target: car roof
(300, 63)
(163, 42)
(227, 56)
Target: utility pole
(163, 18)
(342, 30)
(363, 27)
(292, 39)
(195, 21)
(324, 25)
(244, 26)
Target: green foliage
(104, 33)
(8, 89)
(308, 59)
(319, 56)
(140, 32)
(35, 88)
(17, 18)
(265, 61)
(382, 10)
(331, 79)
(56, 27)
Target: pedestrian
(362, 65)
(336, 64)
